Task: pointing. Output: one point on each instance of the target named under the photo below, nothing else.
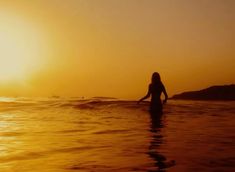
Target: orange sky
(111, 47)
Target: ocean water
(99, 134)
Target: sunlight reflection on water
(72, 135)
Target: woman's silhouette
(155, 90)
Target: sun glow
(21, 48)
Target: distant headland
(223, 92)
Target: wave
(107, 103)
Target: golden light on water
(55, 54)
(21, 47)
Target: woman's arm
(147, 95)
(165, 94)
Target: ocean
(104, 134)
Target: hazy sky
(111, 47)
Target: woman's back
(156, 103)
(155, 89)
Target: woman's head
(156, 78)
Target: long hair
(156, 79)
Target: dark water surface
(65, 135)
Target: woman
(155, 89)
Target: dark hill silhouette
(225, 92)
